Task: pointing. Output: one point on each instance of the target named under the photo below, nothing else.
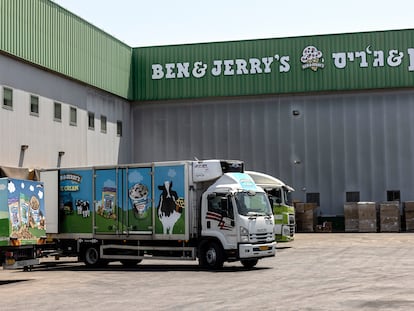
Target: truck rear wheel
(91, 256)
(249, 263)
(212, 256)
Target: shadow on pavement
(76, 266)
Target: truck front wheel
(212, 256)
(91, 256)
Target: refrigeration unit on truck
(183, 210)
(283, 209)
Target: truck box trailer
(183, 210)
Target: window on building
(73, 116)
(34, 105)
(103, 124)
(91, 120)
(58, 112)
(313, 198)
(119, 128)
(7, 98)
(393, 195)
(352, 196)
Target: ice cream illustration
(138, 194)
(312, 58)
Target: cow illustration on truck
(183, 210)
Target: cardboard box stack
(409, 215)
(390, 217)
(351, 217)
(367, 217)
(305, 216)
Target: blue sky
(163, 22)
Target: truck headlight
(244, 234)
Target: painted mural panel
(22, 212)
(108, 207)
(75, 201)
(169, 194)
(140, 207)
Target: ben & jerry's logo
(312, 58)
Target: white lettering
(199, 69)
(228, 67)
(216, 71)
(182, 70)
(157, 72)
(339, 60)
(410, 52)
(170, 71)
(363, 56)
(394, 58)
(241, 66)
(255, 66)
(267, 61)
(284, 64)
(378, 59)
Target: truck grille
(292, 230)
(261, 237)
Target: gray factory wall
(327, 144)
(44, 135)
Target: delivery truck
(280, 198)
(183, 210)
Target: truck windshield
(252, 204)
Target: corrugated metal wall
(341, 143)
(368, 60)
(41, 32)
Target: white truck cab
(236, 214)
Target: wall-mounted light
(59, 160)
(23, 148)
(296, 112)
(296, 161)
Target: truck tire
(249, 263)
(91, 256)
(212, 256)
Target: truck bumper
(257, 250)
(11, 264)
(284, 233)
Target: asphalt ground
(325, 271)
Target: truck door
(170, 201)
(75, 211)
(109, 201)
(220, 220)
(139, 213)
